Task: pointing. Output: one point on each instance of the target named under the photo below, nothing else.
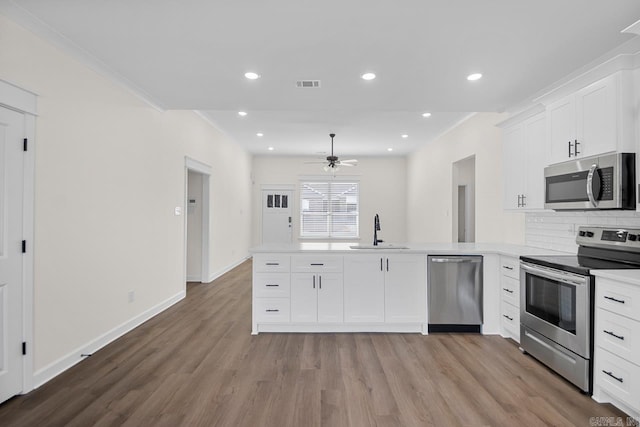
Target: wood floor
(197, 365)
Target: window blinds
(329, 209)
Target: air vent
(308, 83)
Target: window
(329, 209)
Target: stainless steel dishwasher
(455, 293)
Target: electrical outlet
(132, 296)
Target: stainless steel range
(557, 298)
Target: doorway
(197, 236)
(277, 219)
(463, 209)
(17, 162)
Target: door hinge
(24, 246)
(24, 144)
(24, 348)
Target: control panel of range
(621, 238)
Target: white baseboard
(226, 269)
(59, 366)
(193, 278)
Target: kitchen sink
(380, 246)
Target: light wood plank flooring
(197, 365)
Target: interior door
(11, 192)
(277, 226)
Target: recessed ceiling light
(270, 148)
(474, 77)
(242, 113)
(389, 149)
(368, 76)
(251, 75)
(259, 134)
(426, 114)
(404, 135)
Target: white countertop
(420, 248)
(627, 276)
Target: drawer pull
(273, 263)
(317, 263)
(272, 310)
(271, 286)
(508, 290)
(507, 267)
(508, 317)
(620, 337)
(621, 301)
(613, 376)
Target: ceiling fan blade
(347, 164)
(349, 161)
(316, 162)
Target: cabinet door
(405, 288)
(363, 289)
(304, 297)
(330, 298)
(596, 118)
(561, 128)
(512, 155)
(534, 160)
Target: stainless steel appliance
(557, 298)
(455, 293)
(599, 182)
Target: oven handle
(590, 176)
(569, 278)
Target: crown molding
(30, 22)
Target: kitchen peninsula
(345, 287)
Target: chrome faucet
(376, 228)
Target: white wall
(109, 173)
(429, 181)
(382, 191)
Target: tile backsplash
(557, 230)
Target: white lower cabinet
(388, 288)
(616, 373)
(364, 289)
(316, 297)
(510, 297)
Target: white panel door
(405, 288)
(561, 128)
(304, 297)
(363, 288)
(597, 127)
(512, 154)
(330, 298)
(277, 226)
(11, 192)
(535, 160)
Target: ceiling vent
(308, 83)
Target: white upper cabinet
(594, 120)
(523, 162)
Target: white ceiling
(192, 54)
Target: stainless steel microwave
(599, 182)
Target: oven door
(556, 304)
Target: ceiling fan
(333, 164)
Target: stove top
(578, 264)
(600, 248)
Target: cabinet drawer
(511, 320)
(510, 290)
(271, 285)
(620, 298)
(276, 263)
(316, 263)
(619, 335)
(510, 267)
(271, 310)
(618, 377)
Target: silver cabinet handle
(456, 260)
(320, 282)
(619, 379)
(507, 267)
(510, 318)
(620, 337)
(621, 301)
(314, 281)
(508, 290)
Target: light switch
(178, 211)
